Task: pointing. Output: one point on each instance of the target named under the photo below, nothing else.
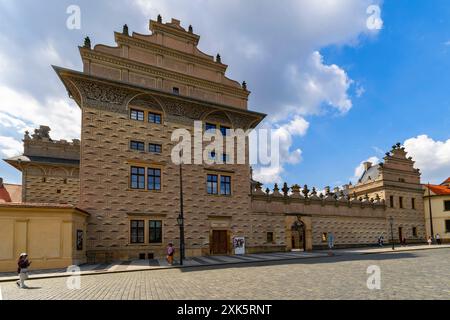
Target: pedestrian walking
(170, 253)
(22, 269)
(438, 239)
(381, 240)
(429, 241)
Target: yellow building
(52, 235)
(437, 198)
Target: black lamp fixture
(180, 221)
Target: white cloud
(284, 134)
(317, 84)
(359, 170)
(22, 111)
(432, 157)
(10, 147)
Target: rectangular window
(414, 231)
(153, 179)
(413, 203)
(225, 185)
(224, 130)
(175, 90)
(447, 205)
(137, 145)
(211, 184)
(137, 115)
(155, 231)
(400, 201)
(269, 237)
(154, 118)
(391, 201)
(137, 178)
(155, 148)
(210, 127)
(447, 226)
(137, 231)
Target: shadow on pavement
(306, 261)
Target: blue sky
(338, 92)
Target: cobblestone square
(420, 274)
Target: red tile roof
(4, 195)
(41, 205)
(439, 190)
(446, 181)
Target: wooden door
(219, 242)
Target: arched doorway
(298, 236)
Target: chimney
(367, 165)
(1, 182)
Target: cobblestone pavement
(404, 275)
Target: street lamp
(180, 218)
(391, 221)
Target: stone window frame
(155, 176)
(139, 176)
(137, 142)
(219, 175)
(146, 114)
(138, 228)
(155, 145)
(138, 111)
(150, 233)
(146, 167)
(147, 217)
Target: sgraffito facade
(133, 97)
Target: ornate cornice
(162, 73)
(115, 96)
(122, 39)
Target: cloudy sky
(339, 85)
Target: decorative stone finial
(159, 18)
(27, 135)
(267, 191)
(285, 189)
(125, 30)
(87, 43)
(305, 191)
(191, 30)
(244, 85)
(327, 190)
(218, 58)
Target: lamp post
(180, 218)
(391, 221)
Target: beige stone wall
(47, 234)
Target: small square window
(137, 145)
(155, 148)
(447, 205)
(154, 118)
(176, 90)
(137, 115)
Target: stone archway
(298, 233)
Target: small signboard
(239, 245)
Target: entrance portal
(219, 242)
(298, 236)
